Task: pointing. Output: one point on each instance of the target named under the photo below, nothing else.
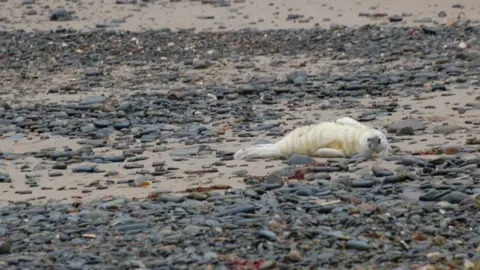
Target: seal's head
(377, 142)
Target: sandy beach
(108, 99)
(216, 16)
(432, 108)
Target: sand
(434, 107)
(260, 14)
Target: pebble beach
(119, 121)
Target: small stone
(395, 18)
(293, 17)
(405, 131)
(92, 100)
(5, 178)
(85, 169)
(55, 174)
(4, 247)
(294, 256)
(442, 14)
(59, 166)
(201, 64)
(446, 129)
(266, 265)
(61, 15)
(415, 124)
(206, 17)
(295, 75)
(358, 245)
(240, 173)
(23, 192)
(296, 159)
(274, 178)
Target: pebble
(61, 15)
(414, 124)
(299, 160)
(395, 18)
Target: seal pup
(344, 137)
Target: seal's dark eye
(369, 139)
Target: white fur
(341, 138)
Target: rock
(4, 247)
(274, 178)
(395, 18)
(201, 64)
(299, 160)
(442, 14)
(92, 100)
(405, 131)
(5, 178)
(415, 124)
(455, 197)
(59, 166)
(85, 169)
(296, 75)
(358, 245)
(61, 15)
(446, 129)
(191, 151)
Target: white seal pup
(344, 137)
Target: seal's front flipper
(328, 153)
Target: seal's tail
(269, 150)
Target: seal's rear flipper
(269, 150)
(328, 153)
